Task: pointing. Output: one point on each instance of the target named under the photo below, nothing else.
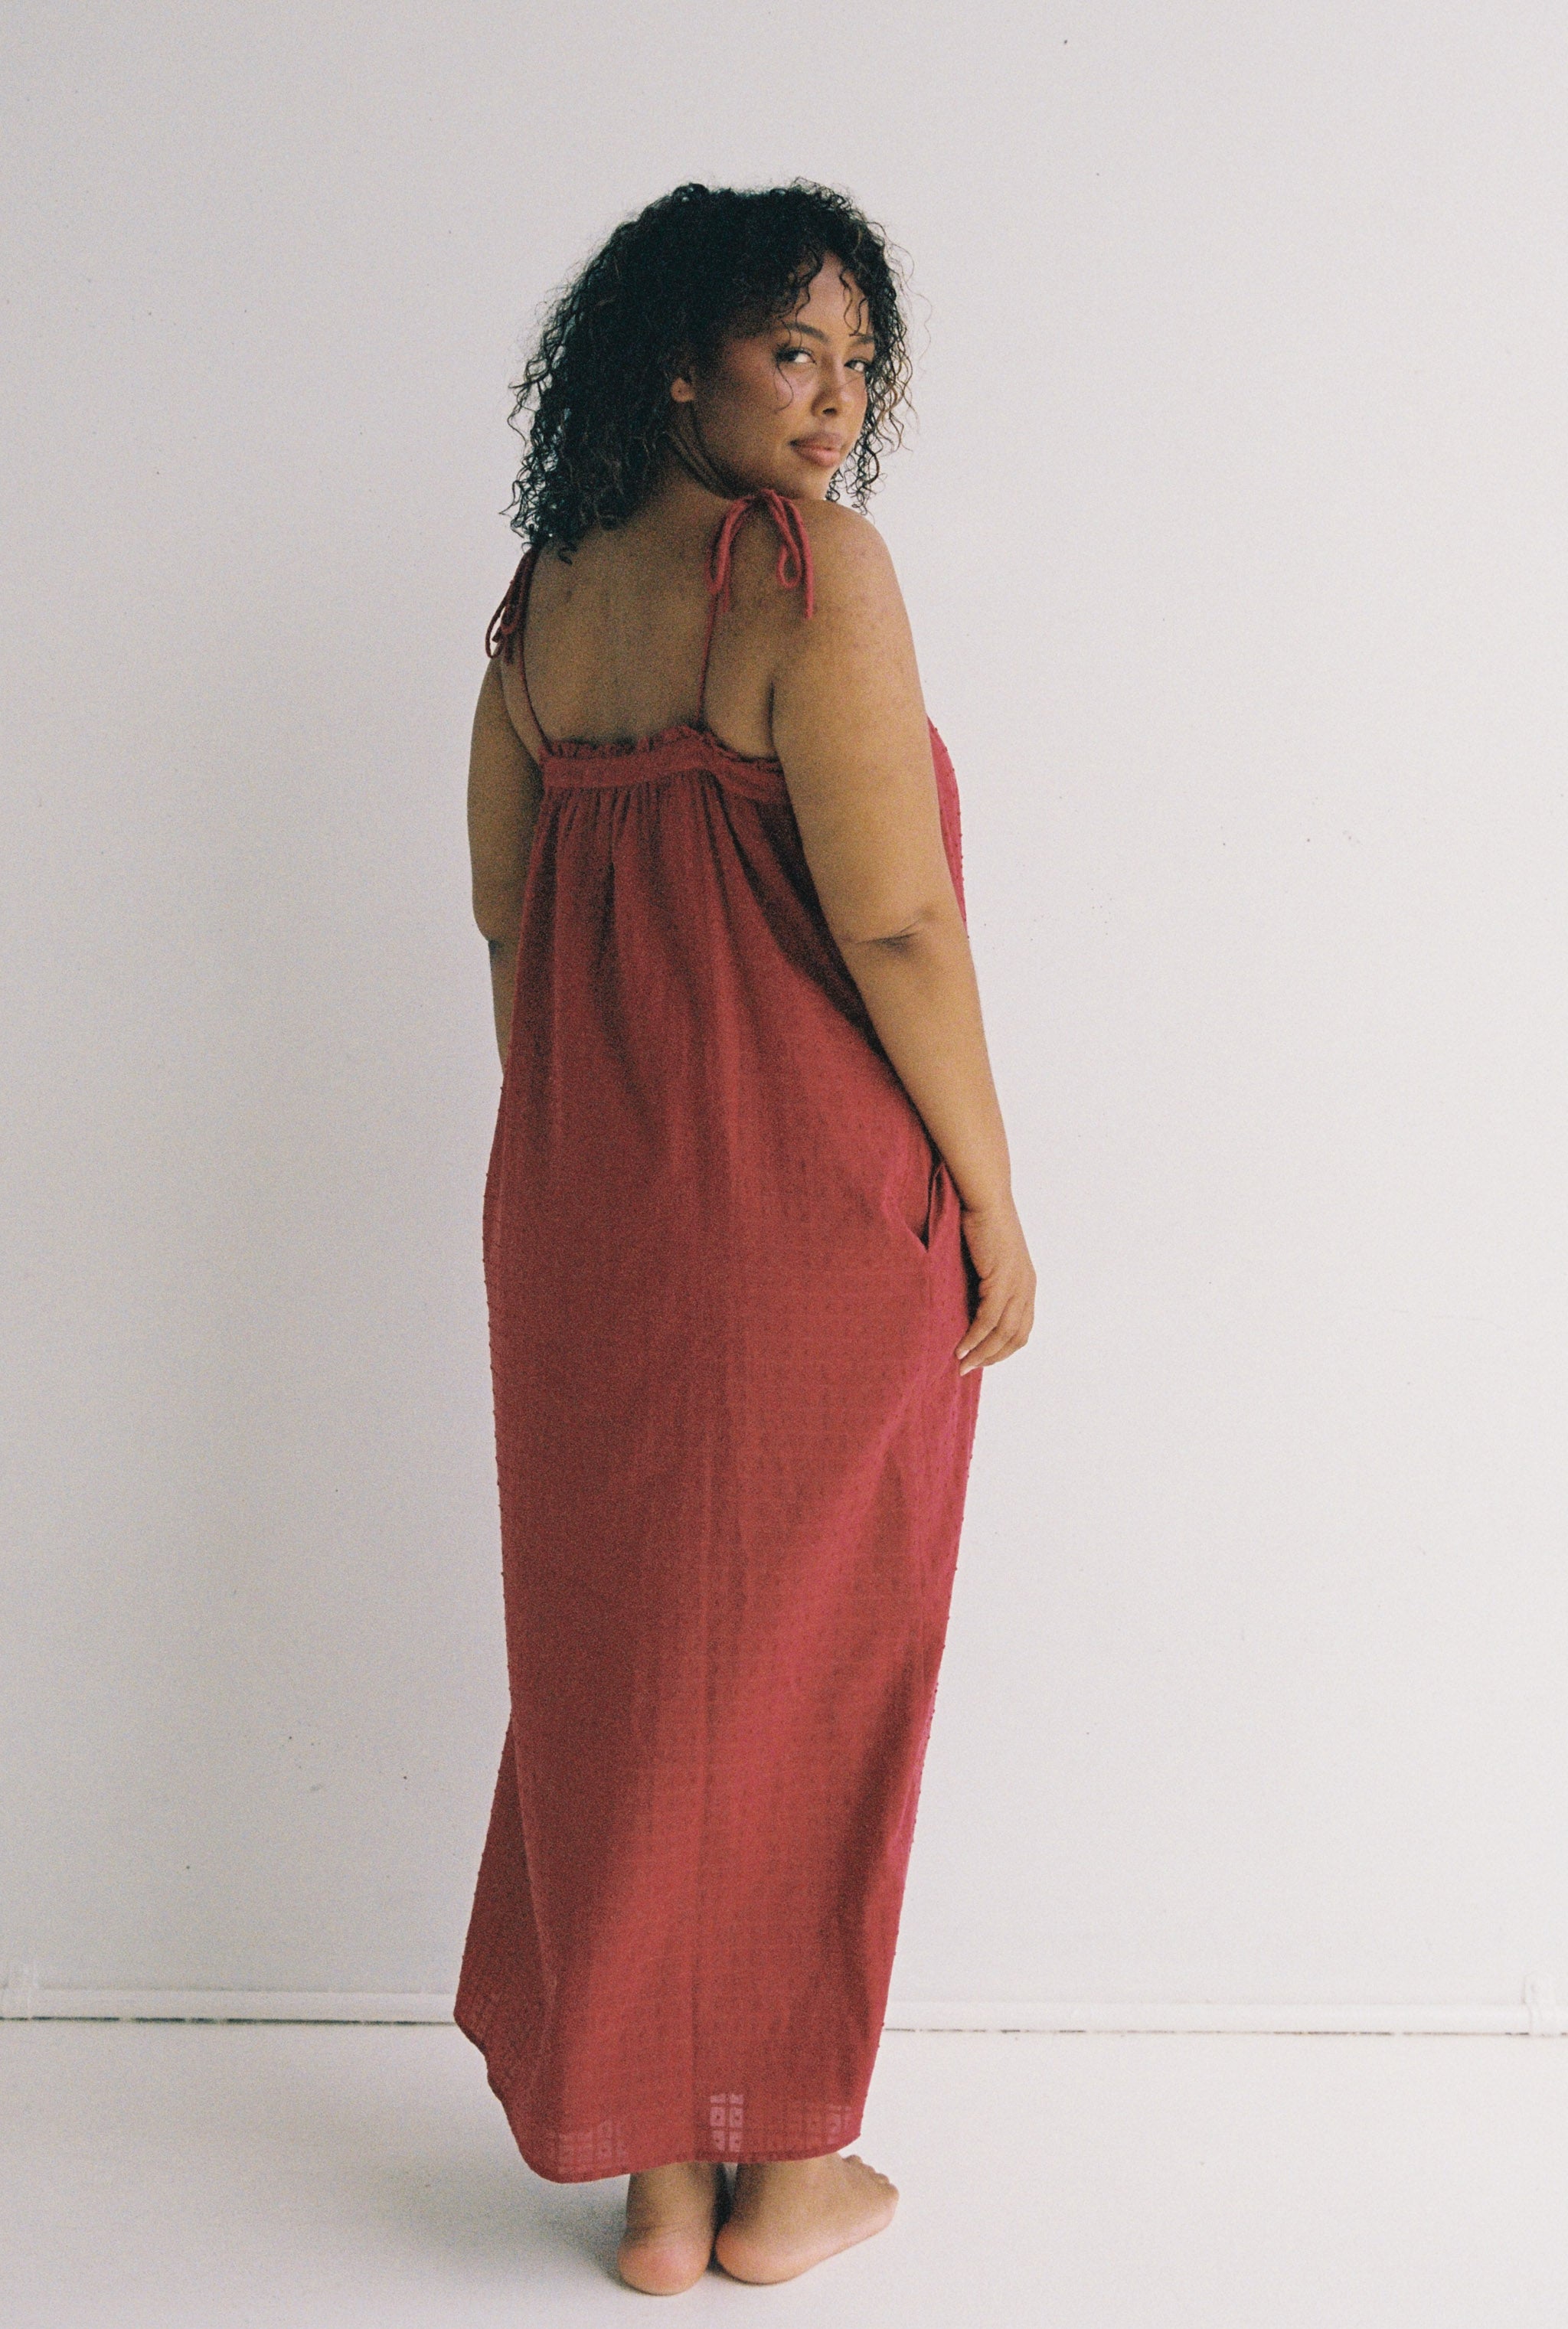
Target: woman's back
(613, 648)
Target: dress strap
(793, 569)
(504, 630)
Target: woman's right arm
(850, 730)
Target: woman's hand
(1004, 1313)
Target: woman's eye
(855, 363)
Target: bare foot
(789, 2214)
(671, 2216)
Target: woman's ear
(684, 385)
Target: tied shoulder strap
(794, 566)
(501, 628)
(793, 569)
(506, 626)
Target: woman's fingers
(1000, 1325)
(1005, 1310)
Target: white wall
(1232, 537)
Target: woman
(749, 1235)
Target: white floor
(196, 2177)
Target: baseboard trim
(19, 2003)
(1537, 2015)
(1222, 2018)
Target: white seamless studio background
(1231, 535)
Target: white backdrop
(1232, 537)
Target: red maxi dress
(725, 1282)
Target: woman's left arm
(505, 790)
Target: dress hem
(631, 2159)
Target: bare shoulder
(497, 736)
(859, 609)
(851, 563)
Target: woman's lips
(826, 455)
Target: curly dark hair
(670, 284)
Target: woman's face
(784, 407)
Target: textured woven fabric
(725, 1282)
